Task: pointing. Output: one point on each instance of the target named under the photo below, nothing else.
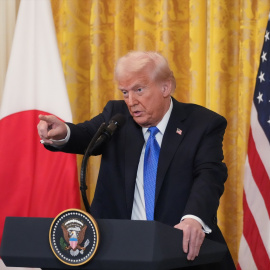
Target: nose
(131, 99)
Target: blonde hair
(138, 61)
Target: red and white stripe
(254, 251)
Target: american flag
(179, 131)
(254, 251)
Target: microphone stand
(91, 147)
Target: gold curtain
(213, 47)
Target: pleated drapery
(212, 46)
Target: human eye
(125, 93)
(139, 90)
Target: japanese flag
(34, 182)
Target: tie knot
(153, 131)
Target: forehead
(130, 81)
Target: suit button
(215, 220)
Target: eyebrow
(134, 87)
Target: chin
(139, 121)
(142, 121)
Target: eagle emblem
(74, 237)
(74, 233)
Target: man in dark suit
(190, 174)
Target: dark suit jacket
(190, 177)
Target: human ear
(166, 88)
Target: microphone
(107, 132)
(103, 134)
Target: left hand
(193, 237)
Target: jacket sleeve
(209, 173)
(81, 134)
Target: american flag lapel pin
(179, 131)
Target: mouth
(136, 113)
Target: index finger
(45, 118)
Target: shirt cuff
(205, 228)
(59, 143)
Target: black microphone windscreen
(118, 119)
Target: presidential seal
(74, 237)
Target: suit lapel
(171, 141)
(134, 145)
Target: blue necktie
(150, 172)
